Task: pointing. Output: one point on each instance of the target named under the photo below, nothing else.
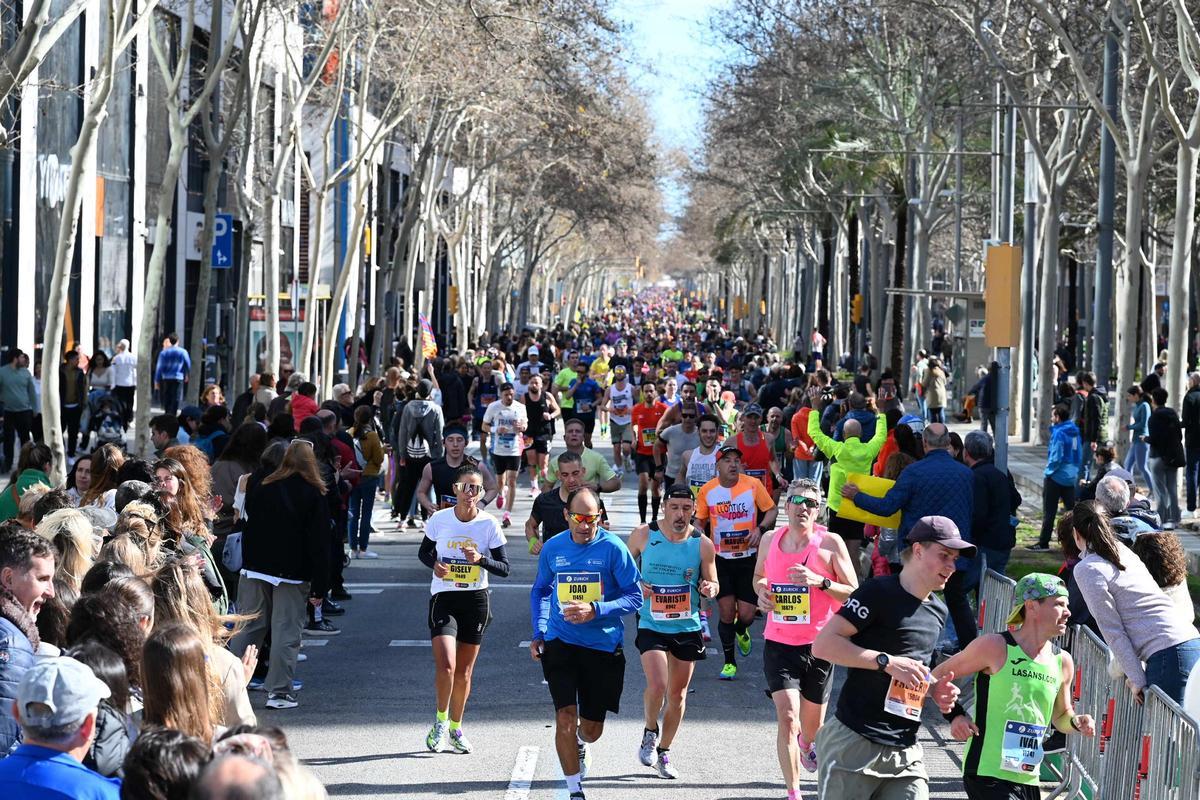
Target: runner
(734, 509)
(677, 570)
(586, 582)
(597, 474)
(687, 394)
(456, 541)
(1022, 688)
(618, 403)
(649, 469)
(584, 393)
(886, 633)
(600, 371)
(802, 576)
(562, 382)
(485, 390)
(505, 422)
(675, 441)
(541, 409)
(546, 517)
(698, 466)
(440, 475)
(758, 458)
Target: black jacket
(1166, 436)
(1191, 418)
(996, 501)
(287, 532)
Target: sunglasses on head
(585, 519)
(468, 488)
(801, 500)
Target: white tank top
(701, 469)
(621, 404)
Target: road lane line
(410, 643)
(313, 642)
(522, 774)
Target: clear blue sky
(672, 53)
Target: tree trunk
(212, 183)
(1048, 318)
(1181, 266)
(1129, 273)
(316, 259)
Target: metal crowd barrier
(996, 594)
(1169, 762)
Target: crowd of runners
(788, 506)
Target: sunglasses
(585, 519)
(801, 500)
(470, 489)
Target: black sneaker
(1038, 548)
(341, 595)
(322, 628)
(331, 609)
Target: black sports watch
(826, 583)
(883, 659)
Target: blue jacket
(16, 658)
(1140, 426)
(935, 485)
(865, 418)
(39, 773)
(1066, 450)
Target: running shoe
(664, 766)
(1038, 548)
(533, 491)
(459, 742)
(367, 554)
(728, 672)
(500, 501)
(438, 737)
(329, 608)
(281, 701)
(507, 521)
(646, 751)
(808, 755)
(322, 628)
(744, 643)
(576, 796)
(412, 524)
(585, 760)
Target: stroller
(107, 420)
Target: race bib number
(620, 409)
(733, 544)
(578, 587)
(791, 604)
(670, 602)
(1021, 747)
(463, 574)
(507, 439)
(757, 473)
(649, 437)
(905, 702)
(583, 406)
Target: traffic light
(856, 309)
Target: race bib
(791, 604)
(620, 409)
(649, 437)
(507, 439)
(449, 501)
(757, 473)
(733, 544)
(578, 587)
(463, 574)
(905, 702)
(1021, 747)
(670, 602)
(583, 406)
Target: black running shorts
(736, 576)
(685, 646)
(788, 666)
(463, 615)
(583, 677)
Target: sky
(671, 55)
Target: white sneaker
(368, 554)
(646, 751)
(585, 760)
(664, 766)
(438, 738)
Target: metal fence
(1169, 763)
(996, 593)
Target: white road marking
(410, 643)
(313, 642)
(522, 774)
(376, 590)
(524, 645)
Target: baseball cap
(728, 449)
(679, 492)
(341, 389)
(61, 691)
(752, 410)
(1034, 586)
(191, 412)
(533, 350)
(941, 530)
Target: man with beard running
(678, 568)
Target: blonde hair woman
(75, 542)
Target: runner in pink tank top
(802, 576)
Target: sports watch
(883, 659)
(826, 583)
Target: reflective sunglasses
(585, 519)
(470, 489)
(801, 500)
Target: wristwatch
(883, 659)
(826, 583)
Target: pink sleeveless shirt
(801, 611)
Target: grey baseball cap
(59, 691)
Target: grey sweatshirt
(1135, 615)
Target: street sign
(222, 247)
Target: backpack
(358, 454)
(1101, 414)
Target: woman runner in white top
(462, 545)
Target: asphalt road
(368, 702)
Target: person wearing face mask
(586, 582)
(802, 576)
(462, 545)
(678, 568)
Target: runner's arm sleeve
(539, 598)
(427, 553)
(496, 563)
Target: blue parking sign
(222, 248)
